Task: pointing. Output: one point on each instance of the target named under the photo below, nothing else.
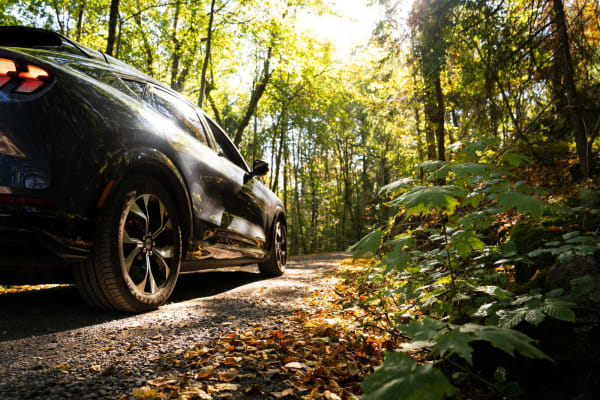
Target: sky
(351, 28)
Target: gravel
(53, 346)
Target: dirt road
(53, 346)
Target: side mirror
(259, 168)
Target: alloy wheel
(148, 244)
(280, 245)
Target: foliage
(441, 271)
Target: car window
(178, 111)
(224, 146)
(136, 87)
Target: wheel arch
(152, 162)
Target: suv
(110, 178)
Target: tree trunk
(255, 96)
(439, 129)
(147, 49)
(429, 131)
(112, 26)
(572, 110)
(176, 48)
(80, 14)
(207, 51)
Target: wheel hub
(148, 244)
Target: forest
(455, 153)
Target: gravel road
(53, 346)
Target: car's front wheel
(137, 254)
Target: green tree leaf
(425, 199)
(465, 242)
(559, 309)
(507, 340)
(465, 169)
(397, 258)
(516, 159)
(401, 378)
(583, 285)
(368, 244)
(425, 329)
(395, 186)
(456, 342)
(522, 202)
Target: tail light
(29, 77)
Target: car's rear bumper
(34, 238)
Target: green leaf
(570, 235)
(429, 166)
(426, 329)
(425, 199)
(511, 318)
(565, 257)
(522, 202)
(535, 316)
(368, 244)
(538, 252)
(395, 186)
(583, 285)
(559, 309)
(515, 159)
(417, 345)
(465, 169)
(401, 378)
(402, 241)
(507, 340)
(456, 342)
(397, 258)
(480, 145)
(465, 242)
(495, 291)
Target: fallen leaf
(331, 396)
(282, 394)
(204, 373)
(295, 365)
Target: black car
(112, 178)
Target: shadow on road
(58, 309)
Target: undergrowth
(444, 274)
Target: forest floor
(226, 333)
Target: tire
(136, 257)
(275, 265)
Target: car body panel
(69, 145)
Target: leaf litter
(320, 351)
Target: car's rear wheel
(137, 254)
(275, 265)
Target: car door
(244, 217)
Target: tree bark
(257, 93)
(568, 74)
(439, 130)
(80, 14)
(176, 48)
(207, 51)
(147, 48)
(112, 26)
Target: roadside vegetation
(455, 154)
